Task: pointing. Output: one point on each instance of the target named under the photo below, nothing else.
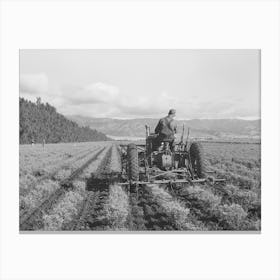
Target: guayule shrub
(115, 161)
(117, 208)
(230, 217)
(25, 183)
(37, 194)
(246, 198)
(136, 219)
(63, 212)
(174, 209)
(62, 174)
(200, 198)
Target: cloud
(100, 99)
(144, 83)
(140, 106)
(105, 100)
(34, 84)
(94, 93)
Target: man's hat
(172, 112)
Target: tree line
(39, 122)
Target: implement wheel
(132, 162)
(197, 160)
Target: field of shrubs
(62, 189)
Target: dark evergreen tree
(39, 121)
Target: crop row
(39, 192)
(36, 160)
(216, 212)
(58, 172)
(155, 209)
(69, 212)
(94, 203)
(35, 175)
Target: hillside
(40, 122)
(213, 128)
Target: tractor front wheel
(197, 159)
(132, 162)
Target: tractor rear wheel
(197, 159)
(132, 162)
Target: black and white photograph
(139, 140)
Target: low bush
(117, 208)
(196, 196)
(230, 217)
(173, 208)
(37, 194)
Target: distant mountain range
(204, 128)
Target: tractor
(161, 163)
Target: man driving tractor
(166, 129)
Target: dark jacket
(166, 128)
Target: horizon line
(178, 119)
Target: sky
(144, 83)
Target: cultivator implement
(151, 163)
(185, 179)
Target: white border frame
(177, 24)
